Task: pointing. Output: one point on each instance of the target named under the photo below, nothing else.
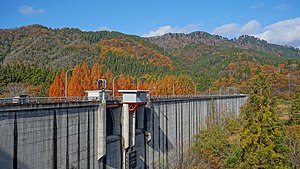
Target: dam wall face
(49, 136)
(156, 134)
(172, 124)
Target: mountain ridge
(243, 41)
(12, 43)
(202, 56)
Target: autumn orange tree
(123, 83)
(86, 79)
(147, 86)
(83, 79)
(75, 85)
(62, 79)
(240, 74)
(57, 88)
(108, 76)
(177, 85)
(96, 73)
(186, 85)
(54, 86)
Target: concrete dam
(132, 133)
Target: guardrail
(27, 100)
(37, 100)
(176, 97)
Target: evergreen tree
(296, 108)
(262, 135)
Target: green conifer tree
(262, 135)
(296, 108)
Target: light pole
(137, 82)
(152, 89)
(66, 83)
(114, 85)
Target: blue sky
(277, 21)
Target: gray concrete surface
(79, 135)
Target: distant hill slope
(205, 57)
(173, 41)
(36, 44)
(248, 42)
(45, 47)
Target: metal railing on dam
(38, 100)
(81, 134)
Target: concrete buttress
(125, 132)
(101, 129)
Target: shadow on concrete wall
(6, 161)
(162, 135)
(109, 123)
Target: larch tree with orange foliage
(54, 86)
(86, 80)
(75, 86)
(57, 88)
(123, 83)
(118, 85)
(162, 86)
(109, 78)
(62, 79)
(145, 86)
(128, 84)
(150, 86)
(95, 74)
(165, 86)
(172, 84)
(186, 85)
(139, 85)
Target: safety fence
(40, 100)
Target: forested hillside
(207, 57)
(57, 48)
(210, 62)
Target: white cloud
(168, 29)
(233, 30)
(29, 10)
(283, 7)
(257, 6)
(227, 30)
(104, 28)
(286, 32)
(160, 31)
(250, 28)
